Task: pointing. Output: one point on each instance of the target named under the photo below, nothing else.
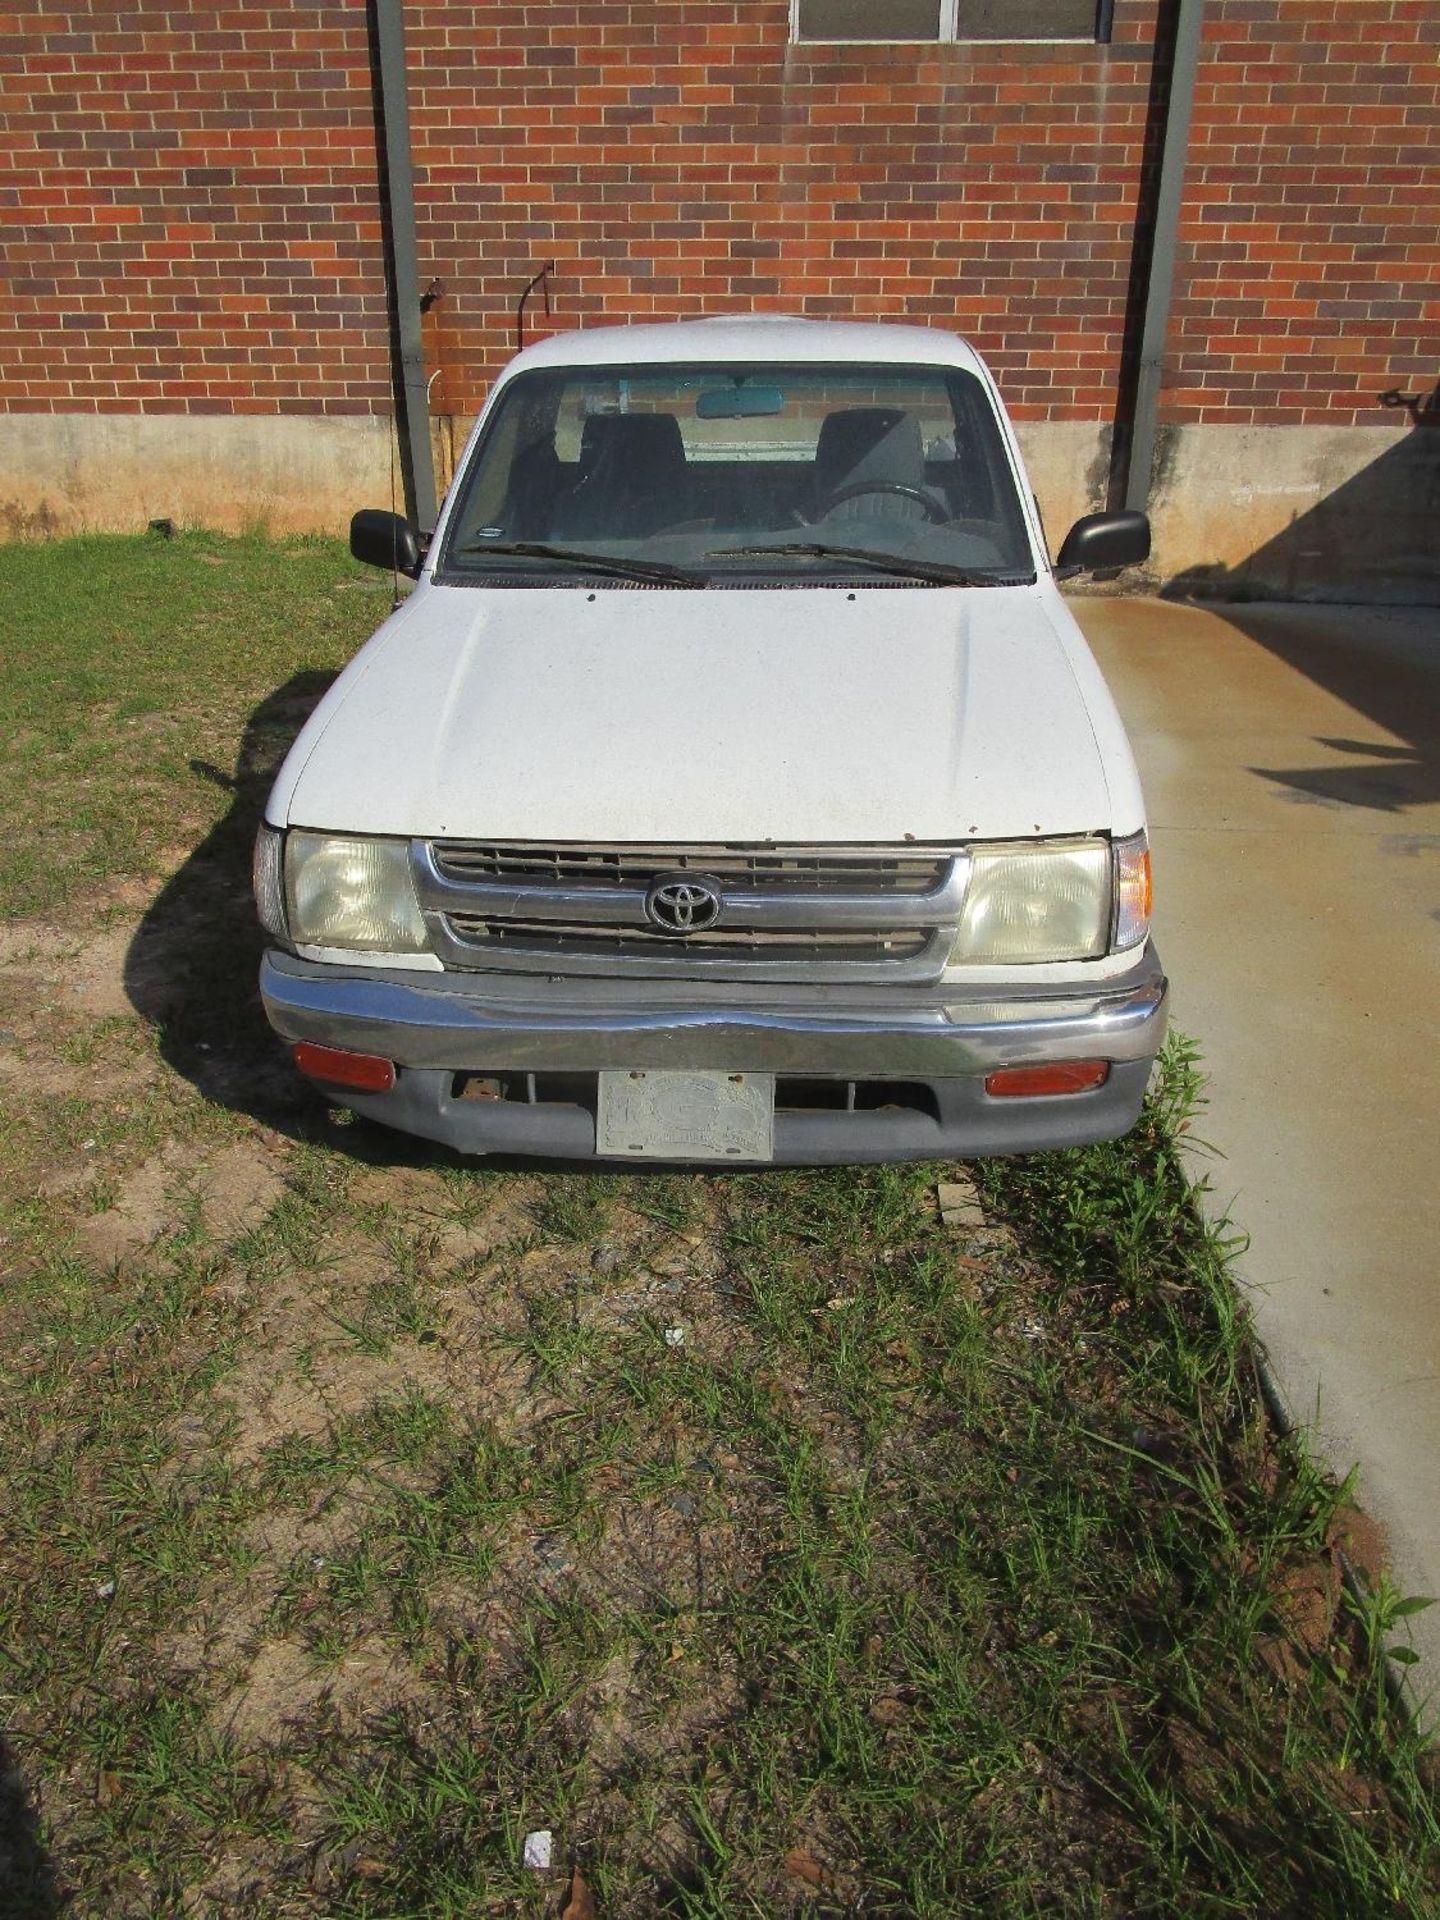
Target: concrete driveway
(1291, 760)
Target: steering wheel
(902, 491)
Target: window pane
(1025, 19)
(869, 19)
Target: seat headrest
(880, 444)
(624, 440)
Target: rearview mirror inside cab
(740, 402)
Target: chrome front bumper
(494, 1023)
(437, 1026)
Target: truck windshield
(675, 464)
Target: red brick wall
(1311, 233)
(674, 159)
(192, 220)
(196, 216)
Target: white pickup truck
(734, 786)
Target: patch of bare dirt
(273, 1400)
(463, 1244)
(90, 968)
(324, 1313)
(70, 1179)
(40, 1075)
(1307, 1594)
(399, 1189)
(273, 1409)
(349, 1382)
(617, 1713)
(95, 975)
(36, 947)
(261, 1687)
(126, 890)
(286, 1688)
(1362, 1540)
(32, 956)
(238, 1188)
(1307, 1601)
(219, 1638)
(145, 1209)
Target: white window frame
(947, 35)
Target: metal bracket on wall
(541, 280)
(1423, 408)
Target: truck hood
(804, 715)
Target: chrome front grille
(832, 870)
(789, 913)
(736, 943)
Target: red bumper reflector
(367, 1072)
(1066, 1076)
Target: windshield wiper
(933, 571)
(655, 570)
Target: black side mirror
(386, 540)
(1101, 541)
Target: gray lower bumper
(438, 1026)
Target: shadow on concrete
(1375, 539)
(28, 1889)
(1372, 547)
(1384, 664)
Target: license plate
(649, 1115)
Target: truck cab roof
(758, 336)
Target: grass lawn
(775, 1547)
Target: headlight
(1048, 900)
(346, 892)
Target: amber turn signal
(367, 1072)
(1065, 1076)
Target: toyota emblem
(683, 903)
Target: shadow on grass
(193, 967)
(27, 1882)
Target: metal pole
(1161, 282)
(417, 459)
